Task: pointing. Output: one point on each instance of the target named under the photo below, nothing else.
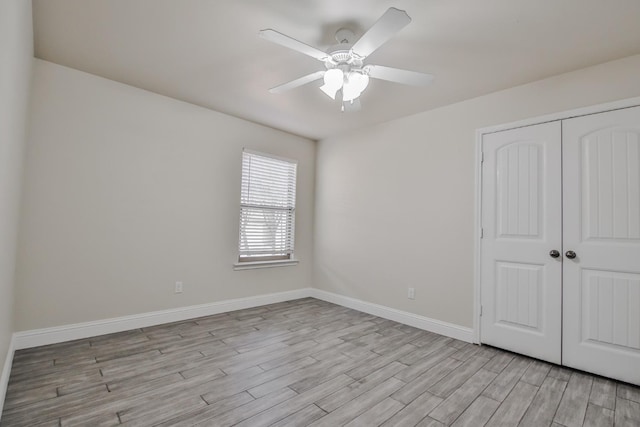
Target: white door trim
(584, 111)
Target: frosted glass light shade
(354, 86)
(333, 80)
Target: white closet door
(601, 224)
(521, 214)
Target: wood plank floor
(299, 363)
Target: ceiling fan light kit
(345, 76)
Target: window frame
(245, 262)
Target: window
(267, 209)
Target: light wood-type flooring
(299, 363)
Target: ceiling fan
(345, 75)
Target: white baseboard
(6, 371)
(57, 334)
(439, 327)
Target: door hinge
(482, 157)
(481, 233)
(480, 311)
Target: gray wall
(16, 58)
(395, 202)
(127, 192)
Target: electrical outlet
(411, 294)
(178, 288)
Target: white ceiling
(207, 52)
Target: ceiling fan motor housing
(343, 59)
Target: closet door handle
(570, 254)
(554, 254)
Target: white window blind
(267, 207)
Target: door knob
(554, 254)
(570, 254)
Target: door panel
(601, 223)
(521, 211)
(608, 300)
(518, 294)
(610, 185)
(519, 190)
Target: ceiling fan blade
(397, 75)
(351, 106)
(390, 23)
(286, 41)
(298, 82)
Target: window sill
(250, 265)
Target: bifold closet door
(521, 289)
(601, 228)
